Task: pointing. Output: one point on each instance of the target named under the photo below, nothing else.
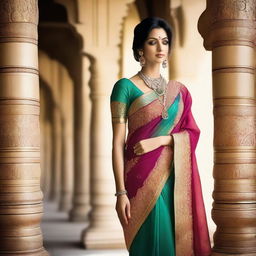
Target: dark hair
(142, 30)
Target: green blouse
(123, 94)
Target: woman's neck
(151, 71)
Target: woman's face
(156, 46)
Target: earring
(141, 59)
(164, 64)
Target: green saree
(156, 235)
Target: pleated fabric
(156, 236)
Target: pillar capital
(20, 18)
(226, 22)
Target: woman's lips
(159, 55)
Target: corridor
(62, 238)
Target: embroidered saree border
(142, 101)
(139, 115)
(118, 112)
(146, 196)
(144, 116)
(173, 88)
(183, 195)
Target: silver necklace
(159, 86)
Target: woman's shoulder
(120, 89)
(122, 82)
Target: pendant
(164, 114)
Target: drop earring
(141, 59)
(164, 64)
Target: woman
(159, 198)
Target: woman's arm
(147, 145)
(118, 154)
(122, 203)
(166, 140)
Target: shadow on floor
(62, 238)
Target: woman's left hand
(147, 145)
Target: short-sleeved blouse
(123, 94)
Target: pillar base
(79, 213)
(42, 252)
(96, 238)
(65, 202)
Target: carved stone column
(228, 29)
(46, 106)
(47, 158)
(20, 194)
(101, 45)
(56, 132)
(67, 172)
(42, 142)
(82, 107)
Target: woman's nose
(159, 46)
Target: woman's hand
(147, 145)
(123, 209)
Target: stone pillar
(46, 135)
(67, 152)
(47, 158)
(104, 230)
(42, 142)
(56, 133)
(20, 195)
(228, 29)
(101, 36)
(82, 108)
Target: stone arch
(71, 8)
(57, 84)
(131, 19)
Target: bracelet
(122, 192)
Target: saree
(147, 176)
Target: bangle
(122, 192)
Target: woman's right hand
(123, 209)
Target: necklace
(159, 86)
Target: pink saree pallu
(146, 175)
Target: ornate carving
(19, 131)
(18, 11)
(234, 126)
(239, 9)
(228, 22)
(234, 131)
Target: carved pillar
(67, 152)
(56, 133)
(104, 230)
(101, 44)
(47, 157)
(42, 141)
(46, 106)
(20, 194)
(82, 107)
(228, 29)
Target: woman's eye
(165, 42)
(151, 42)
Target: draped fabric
(146, 175)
